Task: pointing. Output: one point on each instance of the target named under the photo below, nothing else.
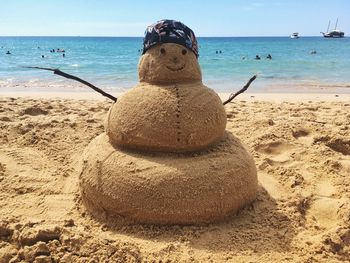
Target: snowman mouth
(176, 68)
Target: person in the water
(269, 56)
(257, 57)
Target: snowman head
(170, 54)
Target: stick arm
(234, 95)
(68, 76)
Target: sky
(204, 17)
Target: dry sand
(302, 212)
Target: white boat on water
(334, 32)
(294, 35)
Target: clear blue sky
(206, 18)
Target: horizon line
(143, 36)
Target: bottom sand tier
(167, 188)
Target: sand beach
(300, 144)
(167, 157)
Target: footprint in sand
(324, 188)
(325, 206)
(33, 111)
(272, 186)
(340, 145)
(279, 152)
(324, 211)
(273, 148)
(303, 135)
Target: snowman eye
(184, 51)
(162, 50)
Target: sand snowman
(165, 157)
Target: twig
(234, 95)
(68, 76)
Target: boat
(333, 33)
(294, 35)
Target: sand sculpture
(165, 157)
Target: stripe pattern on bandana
(170, 31)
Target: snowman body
(165, 157)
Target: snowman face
(169, 63)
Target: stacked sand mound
(165, 188)
(186, 169)
(181, 118)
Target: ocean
(111, 62)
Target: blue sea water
(111, 62)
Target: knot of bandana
(170, 31)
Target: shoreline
(53, 84)
(267, 96)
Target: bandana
(170, 31)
